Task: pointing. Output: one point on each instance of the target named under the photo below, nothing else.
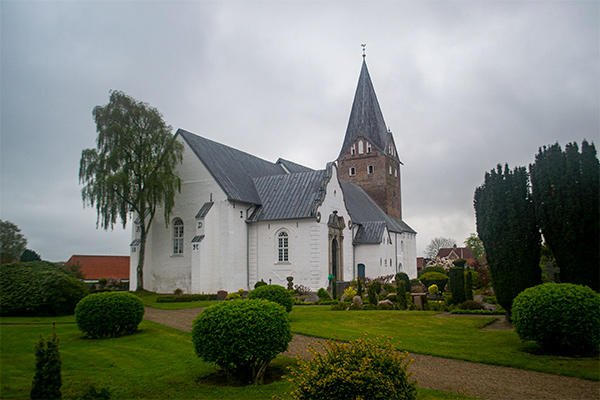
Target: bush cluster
(38, 288)
(242, 337)
(434, 278)
(47, 380)
(457, 284)
(109, 314)
(274, 293)
(362, 369)
(561, 317)
(184, 298)
(471, 305)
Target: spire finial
(363, 46)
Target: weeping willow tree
(132, 170)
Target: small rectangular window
(353, 150)
(352, 171)
(368, 147)
(390, 169)
(370, 169)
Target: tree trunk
(140, 266)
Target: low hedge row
(185, 298)
(478, 312)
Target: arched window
(353, 150)
(368, 147)
(360, 147)
(177, 236)
(361, 270)
(283, 247)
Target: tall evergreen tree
(47, 380)
(506, 225)
(566, 195)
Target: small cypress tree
(47, 379)
(457, 284)
(359, 288)
(468, 285)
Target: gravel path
(486, 382)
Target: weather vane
(363, 46)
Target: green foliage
(242, 337)
(476, 245)
(47, 379)
(350, 292)
(471, 305)
(373, 290)
(260, 283)
(434, 278)
(432, 268)
(132, 170)
(275, 293)
(499, 311)
(185, 298)
(12, 242)
(457, 284)
(362, 369)
(38, 288)
(402, 277)
(323, 295)
(563, 318)
(460, 262)
(359, 287)
(566, 194)
(469, 284)
(233, 296)
(30, 255)
(433, 289)
(507, 227)
(109, 314)
(333, 283)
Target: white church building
(240, 219)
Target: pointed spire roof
(366, 118)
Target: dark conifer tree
(506, 225)
(566, 195)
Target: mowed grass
(149, 299)
(453, 337)
(158, 362)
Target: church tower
(368, 157)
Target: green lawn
(453, 337)
(156, 363)
(149, 299)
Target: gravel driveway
(477, 380)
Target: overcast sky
(462, 85)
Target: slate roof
(232, 169)
(365, 212)
(366, 117)
(290, 196)
(96, 267)
(204, 209)
(292, 167)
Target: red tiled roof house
(96, 267)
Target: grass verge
(158, 362)
(452, 337)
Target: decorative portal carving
(336, 227)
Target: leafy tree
(476, 245)
(566, 195)
(30, 255)
(507, 227)
(436, 244)
(12, 241)
(132, 168)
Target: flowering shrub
(365, 368)
(443, 262)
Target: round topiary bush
(563, 318)
(242, 337)
(362, 369)
(38, 288)
(109, 314)
(434, 278)
(275, 293)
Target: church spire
(366, 118)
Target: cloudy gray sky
(462, 85)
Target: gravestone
(221, 294)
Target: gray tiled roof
(290, 196)
(204, 209)
(292, 167)
(365, 212)
(232, 169)
(366, 117)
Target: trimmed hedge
(109, 314)
(561, 317)
(457, 284)
(434, 278)
(275, 293)
(38, 288)
(478, 312)
(185, 298)
(242, 337)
